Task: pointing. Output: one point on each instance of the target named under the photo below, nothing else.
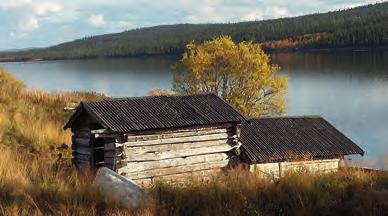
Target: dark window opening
(98, 152)
(97, 147)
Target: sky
(40, 23)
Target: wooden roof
(158, 112)
(286, 138)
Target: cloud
(25, 16)
(252, 16)
(279, 11)
(29, 23)
(97, 20)
(18, 35)
(46, 7)
(9, 4)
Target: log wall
(277, 170)
(171, 155)
(85, 149)
(81, 148)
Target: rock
(123, 190)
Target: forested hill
(365, 26)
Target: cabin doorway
(97, 148)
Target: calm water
(348, 89)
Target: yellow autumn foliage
(241, 73)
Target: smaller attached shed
(157, 137)
(274, 145)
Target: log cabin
(173, 137)
(273, 146)
(156, 137)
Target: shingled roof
(284, 138)
(158, 112)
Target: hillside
(37, 178)
(360, 27)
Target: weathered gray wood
(113, 154)
(110, 160)
(81, 150)
(176, 146)
(176, 170)
(80, 141)
(183, 129)
(175, 134)
(153, 156)
(82, 134)
(208, 137)
(151, 165)
(107, 135)
(84, 157)
(99, 131)
(112, 146)
(181, 178)
(186, 177)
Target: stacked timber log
(81, 148)
(161, 137)
(171, 155)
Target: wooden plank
(175, 134)
(181, 178)
(84, 157)
(80, 141)
(113, 154)
(107, 135)
(109, 160)
(181, 129)
(209, 137)
(154, 156)
(150, 165)
(186, 177)
(113, 146)
(99, 131)
(82, 134)
(79, 160)
(81, 150)
(176, 146)
(176, 170)
(144, 183)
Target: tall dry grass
(42, 185)
(348, 192)
(35, 181)
(33, 119)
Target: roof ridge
(285, 117)
(160, 112)
(150, 96)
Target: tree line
(359, 27)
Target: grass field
(36, 176)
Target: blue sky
(37, 23)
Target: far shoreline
(177, 55)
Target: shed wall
(277, 170)
(172, 155)
(82, 146)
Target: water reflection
(350, 89)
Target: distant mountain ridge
(360, 27)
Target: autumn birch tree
(240, 73)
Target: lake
(349, 89)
